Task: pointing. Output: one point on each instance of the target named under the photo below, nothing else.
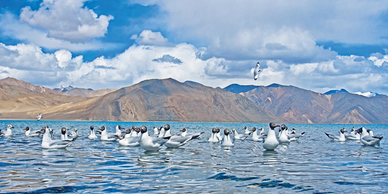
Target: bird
(92, 135)
(352, 135)
(65, 135)
(256, 71)
(227, 141)
(255, 136)
(247, 131)
(218, 134)
(293, 135)
(150, 143)
(239, 136)
(283, 137)
(367, 139)
(49, 143)
(40, 116)
(193, 135)
(118, 130)
(340, 138)
(213, 137)
(271, 142)
(8, 133)
(175, 141)
(105, 136)
(74, 134)
(128, 140)
(29, 133)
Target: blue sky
(316, 45)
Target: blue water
(314, 164)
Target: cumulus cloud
(147, 37)
(168, 59)
(66, 20)
(273, 30)
(13, 28)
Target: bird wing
(331, 136)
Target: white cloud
(14, 28)
(66, 20)
(147, 37)
(273, 30)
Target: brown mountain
(22, 103)
(20, 83)
(88, 93)
(170, 100)
(150, 100)
(297, 105)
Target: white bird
(213, 137)
(74, 134)
(293, 135)
(156, 131)
(227, 141)
(367, 139)
(255, 136)
(353, 135)
(65, 135)
(128, 140)
(256, 71)
(239, 136)
(271, 142)
(340, 138)
(8, 133)
(92, 134)
(40, 116)
(175, 141)
(48, 142)
(283, 138)
(150, 143)
(193, 135)
(247, 132)
(118, 130)
(105, 136)
(29, 133)
(218, 134)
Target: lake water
(314, 164)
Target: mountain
(236, 88)
(170, 100)
(20, 102)
(296, 105)
(335, 91)
(88, 92)
(22, 84)
(63, 88)
(367, 94)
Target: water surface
(314, 164)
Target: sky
(314, 45)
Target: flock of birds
(365, 136)
(163, 137)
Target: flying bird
(40, 116)
(256, 71)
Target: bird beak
(25, 129)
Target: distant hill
(22, 84)
(170, 100)
(192, 82)
(88, 92)
(330, 92)
(63, 88)
(296, 105)
(367, 94)
(236, 88)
